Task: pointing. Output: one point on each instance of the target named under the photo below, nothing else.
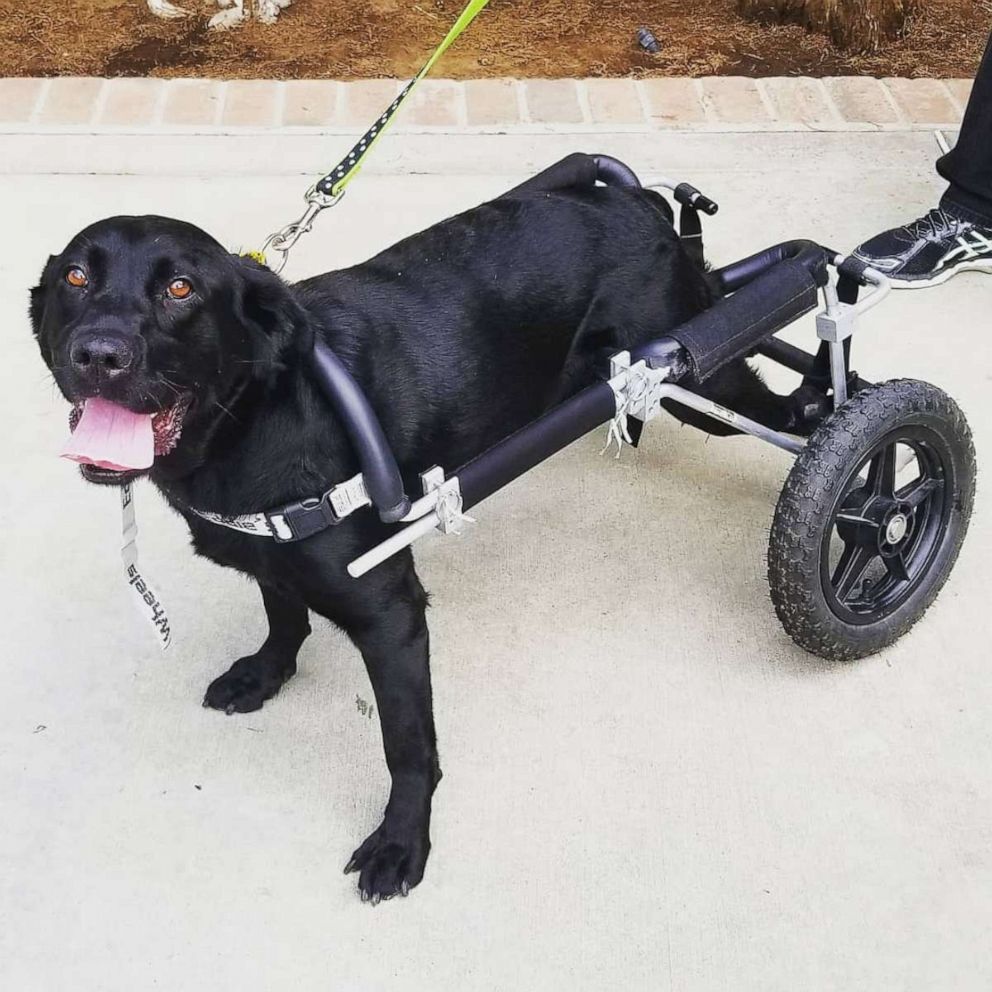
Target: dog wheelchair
(873, 512)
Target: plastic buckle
(300, 520)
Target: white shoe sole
(980, 265)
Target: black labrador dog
(458, 336)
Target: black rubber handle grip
(854, 268)
(689, 196)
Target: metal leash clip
(283, 240)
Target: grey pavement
(647, 786)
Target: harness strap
(691, 234)
(299, 520)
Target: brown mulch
(331, 38)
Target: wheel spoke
(882, 472)
(919, 491)
(853, 562)
(896, 566)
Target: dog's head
(152, 317)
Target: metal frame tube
(397, 542)
(716, 412)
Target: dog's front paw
(246, 685)
(389, 863)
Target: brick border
(712, 103)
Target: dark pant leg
(968, 166)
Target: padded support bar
(785, 290)
(378, 463)
(501, 464)
(738, 274)
(612, 172)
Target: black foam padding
(613, 172)
(380, 472)
(809, 254)
(735, 324)
(531, 445)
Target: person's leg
(967, 167)
(956, 236)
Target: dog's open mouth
(113, 443)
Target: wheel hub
(876, 522)
(896, 528)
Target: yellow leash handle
(334, 182)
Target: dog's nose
(101, 356)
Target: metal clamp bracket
(448, 500)
(838, 321)
(440, 508)
(638, 391)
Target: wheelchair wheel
(871, 519)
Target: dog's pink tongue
(111, 436)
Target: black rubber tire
(810, 497)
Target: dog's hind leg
(251, 680)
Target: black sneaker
(930, 250)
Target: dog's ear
(36, 310)
(277, 326)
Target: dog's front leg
(246, 685)
(395, 646)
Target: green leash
(327, 191)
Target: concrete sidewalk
(647, 787)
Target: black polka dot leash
(329, 190)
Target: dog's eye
(179, 289)
(77, 278)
